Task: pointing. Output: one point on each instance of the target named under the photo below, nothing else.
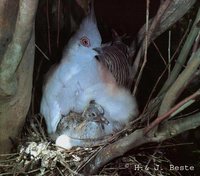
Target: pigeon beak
(98, 50)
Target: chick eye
(85, 41)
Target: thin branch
(48, 28)
(159, 52)
(153, 90)
(169, 53)
(182, 80)
(45, 56)
(143, 47)
(15, 50)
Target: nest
(38, 155)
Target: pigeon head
(87, 36)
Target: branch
(182, 80)
(183, 54)
(15, 50)
(172, 110)
(175, 127)
(180, 61)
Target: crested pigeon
(88, 72)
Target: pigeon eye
(85, 41)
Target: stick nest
(37, 155)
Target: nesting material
(37, 155)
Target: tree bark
(16, 66)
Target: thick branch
(15, 50)
(115, 150)
(175, 90)
(175, 127)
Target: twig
(187, 114)
(166, 146)
(159, 52)
(152, 91)
(60, 172)
(45, 56)
(90, 158)
(9, 154)
(169, 53)
(41, 130)
(67, 168)
(33, 171)
(48, 27)
(9, 173)
(145, 46)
